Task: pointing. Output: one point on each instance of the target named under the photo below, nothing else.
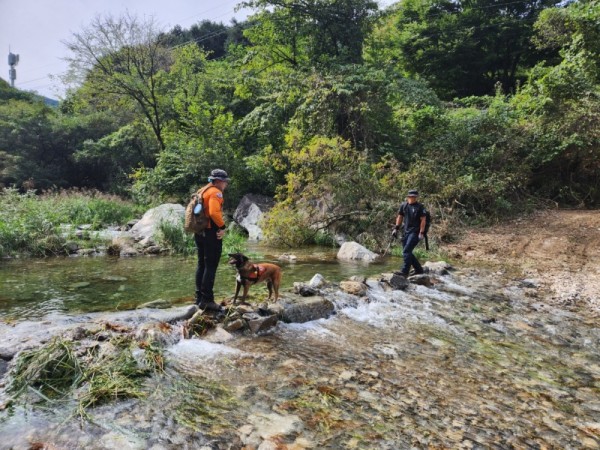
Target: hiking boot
(210, 306)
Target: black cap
(413, 193)
(218, 174)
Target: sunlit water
(470, 363)
(32, 288)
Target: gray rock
(287, 257)
(437, 268)
(234, 325)
(359, 278)
(318, 281)
(298, 309)
(260, 324)
(148, 226)
(353, 288)
(218, 336)
(128, 251)
(159, 304)
(355, 251)
(340, 238)
(152, 250)
(398, 282)
(71, 247)
(6, 354)
(304, 290)
(159, 333)
(250, 211)
(423, 280)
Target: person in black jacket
(413, 215)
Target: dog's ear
(232, 255)
(244, 258)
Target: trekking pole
(388, 247)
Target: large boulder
(144, 230)
(355, 251)
(250, 211)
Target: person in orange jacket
(210, 242)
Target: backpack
(427, 220)
(196, 219)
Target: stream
(475, 361)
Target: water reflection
(30, 289)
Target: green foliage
(31, 224)
(329, 105)
(329, 187)
(462, 48)
(179, 242)
(319, 32)
(234, 242)
(176, 239)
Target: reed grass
(31, 223)
(57, 372)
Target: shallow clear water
(32, 288)
(470, 363)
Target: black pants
(410, 241)
(209, 254)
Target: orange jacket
(212, 201)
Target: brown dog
(249, 274)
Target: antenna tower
(13, 60)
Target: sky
(35, 30)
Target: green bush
(179, 242)
(30, 223)
(176, 239)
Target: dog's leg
(238, 285)
(276, 282)
(270, 288)
(245, 294)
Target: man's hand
(220, 234)
(395, 233)
(421, 236)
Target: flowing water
(472, 362)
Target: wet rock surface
(469, 361)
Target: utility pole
(13, 60)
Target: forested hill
(333, 105)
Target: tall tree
(324, 31)
(463, 47)
(122, 56)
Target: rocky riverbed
(456, 359)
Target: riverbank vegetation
(41, 225)
(335, 108)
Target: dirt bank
(560, 249)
